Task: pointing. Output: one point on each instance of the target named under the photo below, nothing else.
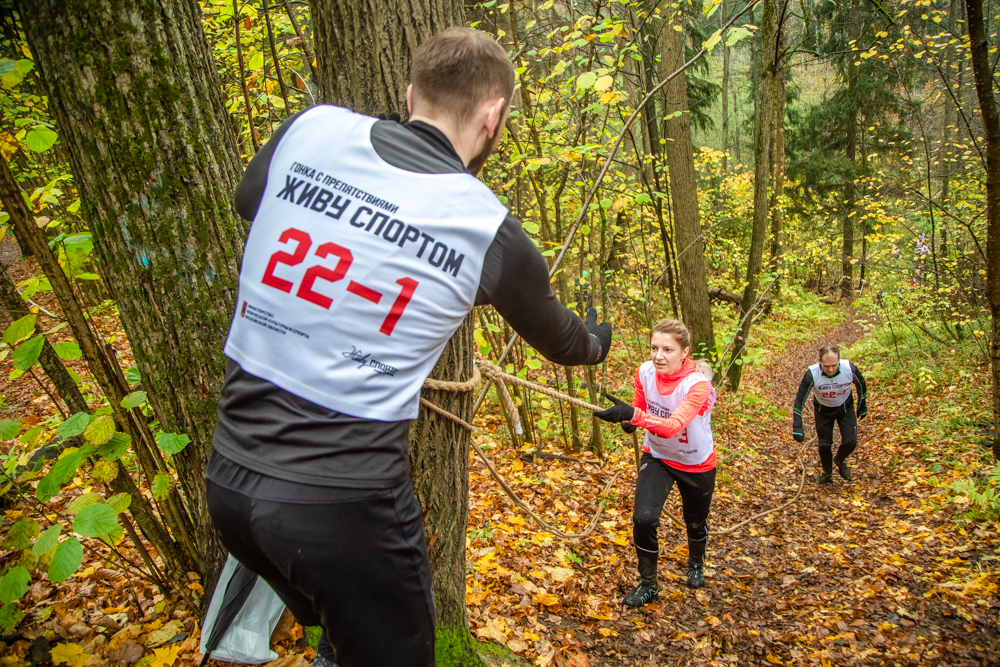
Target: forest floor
(876, 571)
(885, 569)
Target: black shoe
(320, 661)
(643, 594)
(696, 573)
(842, 468)
(824, 477)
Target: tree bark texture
(134, 90)
(439, 471)
(695, 307)
(991, 124)
(777, 212)
(725, 91)
(364, 53)
(762, 178)
(365, 48)
(847, 264)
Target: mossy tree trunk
(364, 54)
(364, 48)
(982, 72)
(696, 310)
(133, 88)
(762, 178)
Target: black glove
(799, 437)
(629, 428)
(619, 412)
(602, 332)
(862, 415)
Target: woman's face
(666, 353)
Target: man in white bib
(371, 242)
(831, 380)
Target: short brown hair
(458, 68)
(827, 349)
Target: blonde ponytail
(704, 368)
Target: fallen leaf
(165, 657)
(69, 654)
(128, 653)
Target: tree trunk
(48, 359)
(725, 92)
(847, 264)
(364, 49)
(777, 212)
(695, 307)
(439, 470)
(762, 145)
(991, 124)
(156, 164)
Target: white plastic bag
(248, 638)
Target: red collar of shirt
(665, 384)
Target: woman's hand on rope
(602, 332)
(619, 412)
(629, 428)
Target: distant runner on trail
(371, 241)
(673, 402)
(831, 379)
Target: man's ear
(409, 99)
(493, 113)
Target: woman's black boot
(647, 590)
(696, 563)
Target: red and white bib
(356, 273)
(832, 391)
(693, 445)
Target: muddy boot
(824, 477)
(696, 563)
(647, 589)
(842, 468)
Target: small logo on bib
(365, 360)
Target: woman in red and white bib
(673, 402)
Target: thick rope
(511, 493)
(492, 373)
(759, 515)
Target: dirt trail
(845, 576)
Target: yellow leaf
(547, 599)
(604, 83)
(621, 541)
(69, 654)
(608, 97)
(607, 632)
(773, 659)
(165, 657)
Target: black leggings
(357, 568)
(847, 420)
(656, 479)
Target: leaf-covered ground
(876, 571)
(883, 570)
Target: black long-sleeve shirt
(806, 386)
(271, 432)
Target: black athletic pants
(357, 568)
(845, 417)
(653, 486)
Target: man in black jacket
(371, 241)
(831, 380)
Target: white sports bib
(693, 445)
(356, 273)
(832, 391)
